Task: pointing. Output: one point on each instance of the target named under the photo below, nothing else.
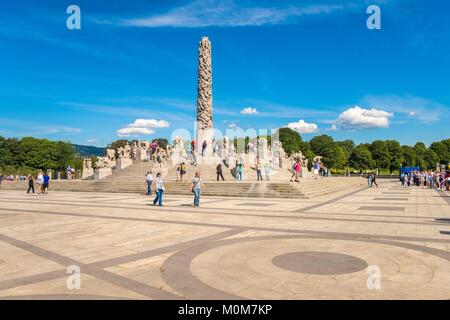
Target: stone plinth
(87, 173)
(141, 155)
(102, 173)
(123, 163)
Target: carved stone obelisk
(204, 96)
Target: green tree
(348, 146)
(431, 159)
(442, 149)
(361, 158)
(409, 156)
(420, 149)
(395, 154)
(118, 144)
(380, 154)
(162, 142)
(290, 139)
(333, 155)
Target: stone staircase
(308, 188)
(136, 172)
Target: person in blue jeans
(159, 190)
(197, 186)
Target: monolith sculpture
(204, 96)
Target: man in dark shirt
(219, 172)
(30, 184)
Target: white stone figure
(127, 151)
(111, 154)
(263, 152)
(87, 163)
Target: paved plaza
(328, 247)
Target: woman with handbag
(159, 190)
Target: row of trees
(385, 155)
(27, 155)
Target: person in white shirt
(149, 183)
(40, 181)
(159, 189)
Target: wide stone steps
(305, 189)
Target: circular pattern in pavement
(244, 268)
(321, 263)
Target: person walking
(374, 180)
(182, 170)
(293, 171)
(30, 184)
(178, 171)
(297, 168)
(196, 187)
(369, 180)
(204, 146)
(268, 170)
(316, 169)
(219, 172)
(46, 183)
(1, 179)
(258, 169)
(149, 179)
(239, 172)
(159, 190)
(40, 181)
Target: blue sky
(310, 65)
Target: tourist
(46, 183)
(159, 190)
(182, 170)
(219, 172)
(197, 186)
(178, 171)
(374, 180)
(239, 170)
(204, 146)
(214, 146)
(30, 184)
(298, 167)
(1, 179)
(369, 179)
(268, 169)
(293, 171)
(258, 169)
(40, 181)
(316, 169)
(149, 180)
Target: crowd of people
(42, 180)
(426, 179)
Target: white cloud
(249, 110)
(226, 13)
(149, 123)
(127, 132)
(421, 109)
(232, 125)
(142, 127)
(359, 118)
(303, 127)
(92, 140)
